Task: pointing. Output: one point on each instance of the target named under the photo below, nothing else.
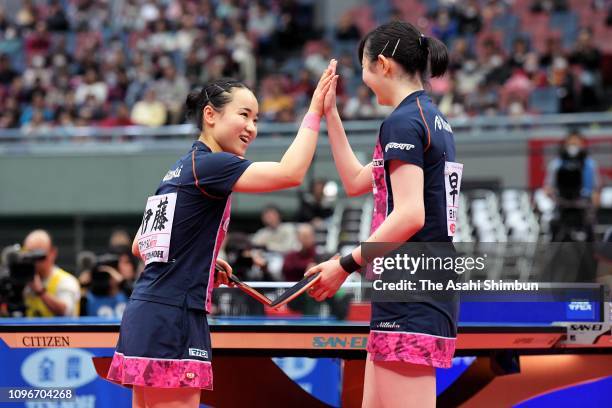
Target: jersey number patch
(156, 228)
(452, 185)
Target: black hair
(217, 94)
(574, 132)
(416, 53)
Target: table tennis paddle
(296, 290)
(286, 297)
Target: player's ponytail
(438, 57)
(217, 94)
(413, 51)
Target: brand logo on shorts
(198, 353)
(388, 325)
(400, 146)
(191, 376)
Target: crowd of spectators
(132, 62)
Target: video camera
(21, 267)
(100, 279)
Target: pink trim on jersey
(221, 231)
(160, 373)
(412, 348)
(381, 195)
(381, 191)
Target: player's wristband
(349, 264)
(311, 121)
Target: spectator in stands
(469, 77)
(53, 292)
(149, 111)
(362, 105)
(314, 205)
(38, 105)
(261, 24)
(91, 85)
(275, 235)
(346, 29)
(275, 101)
(317, 62)
(56, 17)
(588, 57)
(445, 27)
(172, 89)
(120, 117)
(470, 20)
(37, 125)
(38, 42)
(296, 263)
(518, 55)
(7, 73)
(26, 15)
(552, 50)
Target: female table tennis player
(164, 348)
(415, 143)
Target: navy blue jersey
(417, 133)
(180, 262)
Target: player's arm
(261, 177)
(135, 250)
(356, 178)
(406, 219)
(408, 215)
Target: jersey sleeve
(217, 173)
(403, 140)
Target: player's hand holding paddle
(223, 271)
(326, 81)
(332, 276)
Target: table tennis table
(516, 345)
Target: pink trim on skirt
(160, 373)
(412, 348)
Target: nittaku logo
(198, 353)
(400, 146)
(173, 174)
(388, 325)
(440, 124)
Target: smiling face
(374, 78)
(234, 127)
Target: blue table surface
(478, 314)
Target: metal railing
(476, 128)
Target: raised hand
(329, 102)
(325, 82)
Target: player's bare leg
(172, 397)
(395, 384)
(138, 397)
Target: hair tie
(423, 41)
(207, 97)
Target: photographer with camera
(52, 291)
(104, 296)
(572, 181)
